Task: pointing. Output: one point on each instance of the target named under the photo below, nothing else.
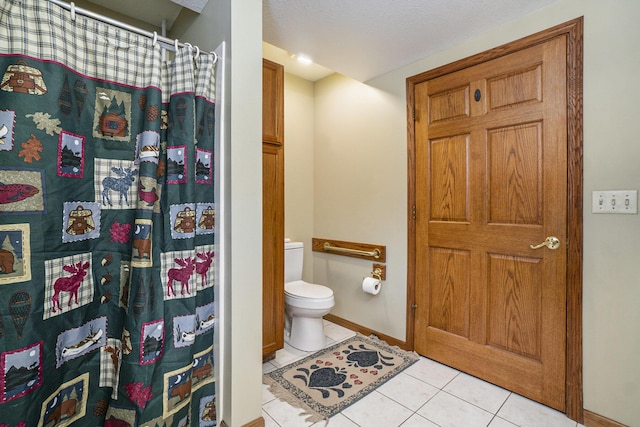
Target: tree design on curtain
(106, 225)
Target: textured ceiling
(364, 39)
(361, 39)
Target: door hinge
(413, 212)
(413, 307)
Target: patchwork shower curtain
(107, 224)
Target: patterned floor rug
(328, 381)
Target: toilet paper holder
(378, 272)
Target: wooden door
(491, 180)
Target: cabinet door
(272, 249)
(272, 102)
(272, 211)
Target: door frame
(574, 32)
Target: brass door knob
(551, 242)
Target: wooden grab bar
(352, 249)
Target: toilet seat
(302, 289)
(308, 295)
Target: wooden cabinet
(272, 102)
(272, 208)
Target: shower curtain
(107, 223)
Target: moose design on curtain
(107, 222)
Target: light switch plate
(615, 201)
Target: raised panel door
(491, 181)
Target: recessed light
(303, 59)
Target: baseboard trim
(365, 331)
(594, 420)
(258, 422)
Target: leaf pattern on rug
(325, 379)
(366, 357)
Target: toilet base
(306, 333)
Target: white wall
(611, 243)
(360, 195)
(298, 165)
(360, 191)
(239, 23)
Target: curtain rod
(152, 35)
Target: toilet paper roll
(371, 285)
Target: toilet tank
(293, 257)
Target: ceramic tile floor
(426, 394)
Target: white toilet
(305, 303)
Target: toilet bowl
(305, 304)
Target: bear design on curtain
(107, 223)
